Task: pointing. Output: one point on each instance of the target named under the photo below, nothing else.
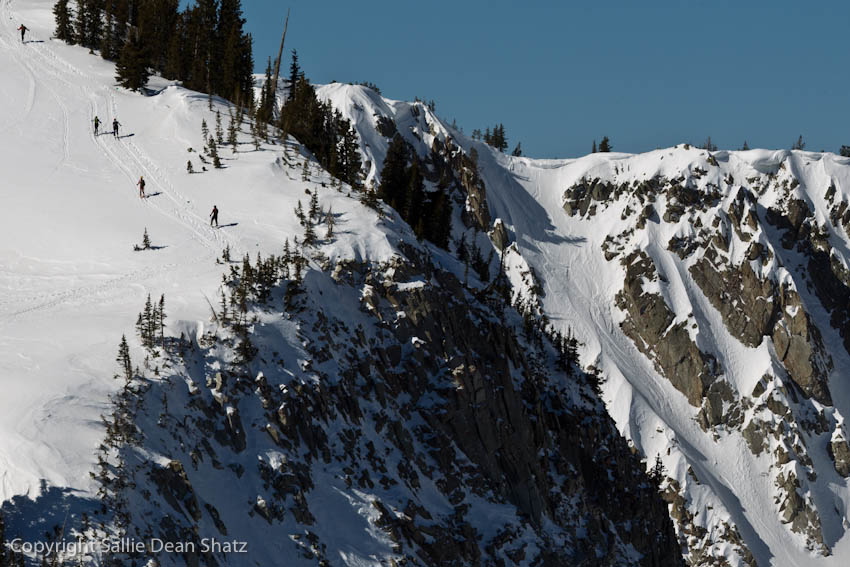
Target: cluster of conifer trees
(316, 124)
(495, 138)
(403, 188)
(204, 45)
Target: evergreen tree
(844, 151)
(124, 361)
(233, 131)
(132, 66)
(64, 29)
(745, 147)
(81, 23)
(314, 206)
(415, 198)
(146, 240)
(107, 47)
(799, 144)
(294, 76)
(394, 173)
(605, 145)
(517, 150)
(593, 149)
(189, 168)
(657, 473)
(219, 132)
(213, 147)
(309, 233)
(348, 156)
(265, 110)
(203, 45)
(501, 140)
(161, 317)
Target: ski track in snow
(56, 83)
(120, 153)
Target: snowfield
(70, 216)
(71, 284)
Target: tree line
(203, 46)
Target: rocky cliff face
(413, 410)
(709, 290)
(729, 276)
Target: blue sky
(559, 74)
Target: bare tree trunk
(280, 57)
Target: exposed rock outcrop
(649, 323)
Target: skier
(96, 125)
(141, 185)
(214, 216)
(115, 125)
(24, 29)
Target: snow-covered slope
(71, 215)
(360, 401)
(710, 290)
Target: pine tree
(81, 23)
(745, 147)
(299, 213)
(213, 152)
(205, 131)
(517, 150)
(161, 319)
(593, 149)
(314, 205)
(124, 360)
(189, 167)
(64, 29)
(605, 145)
(265, 110)
(394, 176)
(132, 66)
(219, 133)
(146, 240)
(232, 131)
(844, 151)
(294, 75)
(657, 473)
(309, 234)
(415, 198)
(305, 171)
(799, 144)
(107, 47)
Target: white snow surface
(71, 285)
(70, 282)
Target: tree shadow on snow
(34, 41)
(42, 518)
